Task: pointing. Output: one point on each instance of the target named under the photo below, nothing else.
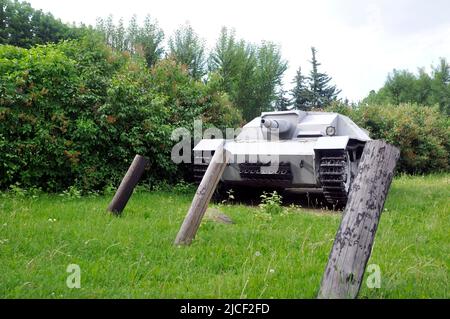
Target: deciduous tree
(187, 48)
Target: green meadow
(260, 255)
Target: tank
(304, 151)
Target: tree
(400, 86)
(119, 37)
(440, 86)
(186, 48)
(244, 89)
(23, 26)
(250, 74)
(314, 91)
(283, 102)
(403, 86)
(17, 20)
(269, 73)
(300, 93)
(235, 62)
(145, 41)
(227, 60)
(108, 30)
(423, 87)
(132, 34)
(322, 93)
(151, 37)
(3, 33)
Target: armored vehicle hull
(308, 151)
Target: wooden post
(202, 197)
(354, 240)
(127, 185)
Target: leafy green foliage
(23, 26)
(283, 102)
(421, 133)
(301, 94)
(271, 203)
(314, 91)
(322, 93)
(403, 86)
(145, 41)
(77, 112)
(71, 193)
(250, 74)
(270, 68)
(186, 48)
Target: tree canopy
(314, 91)
(322, 92)
(186, 47)
(301, 94)
(403, 86)
(251, 74)
(23, 26)
(145, 40)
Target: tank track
(333, 171)
(199, 169)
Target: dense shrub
(422, 133)
(76, 113)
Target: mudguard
(208, 144)
(331, 142)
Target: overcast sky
(358, 41)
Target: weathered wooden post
(127, 185)
(202, 197)
(354, 239)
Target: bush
(422, 133)
(76, 113)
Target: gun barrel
(268, 123)
(281, 125)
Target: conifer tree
(322, 93)
(283, 102)
(300, 93)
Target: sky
(358, 41)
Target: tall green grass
(259, 256)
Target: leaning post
(127, 185)
(354, 240)
(202, 197)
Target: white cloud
(359, 42)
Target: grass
(259, 256)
